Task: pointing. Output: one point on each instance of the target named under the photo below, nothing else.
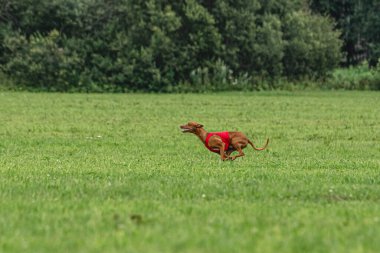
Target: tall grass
(361, 77)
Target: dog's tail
(255, 148)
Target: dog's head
(190, 127)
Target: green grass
(76, 169)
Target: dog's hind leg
(229, 152)
(238, 149)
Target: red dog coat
(225, 138)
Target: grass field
(113, 173)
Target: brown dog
(223, 143)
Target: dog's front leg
(222, 153)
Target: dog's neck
(202, 134)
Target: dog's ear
(199, 126)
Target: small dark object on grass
(136, 218)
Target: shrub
(40, 63)
(312, 47)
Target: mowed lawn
(113, 173)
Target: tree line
(168, 46)
(359, 23)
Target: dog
(222, 143)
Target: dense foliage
(161, 45)
(359, 21)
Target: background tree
(359, 21)
(163, 45)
